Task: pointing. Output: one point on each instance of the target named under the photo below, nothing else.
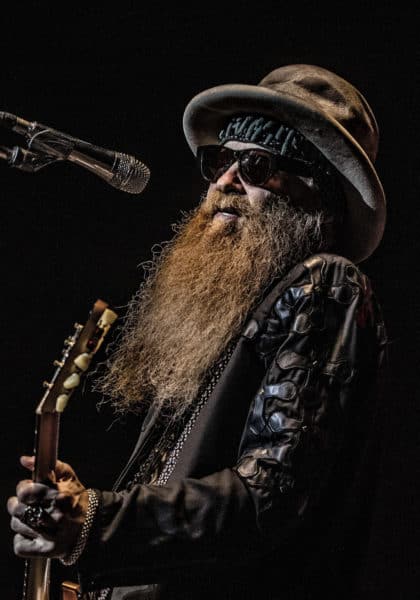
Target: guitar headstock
(77, 354)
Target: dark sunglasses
(255, 166)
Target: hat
(331, 113)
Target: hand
(64, 505)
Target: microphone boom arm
(120, 170)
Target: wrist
(89, 505)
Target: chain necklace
(215, 374)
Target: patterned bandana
(270, 134)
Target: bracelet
(71, 558)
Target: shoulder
(323, 274)
(324, 279)
(329, 270)
(322, 294)
(330, 275)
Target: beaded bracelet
(71, 558)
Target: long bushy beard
(198, 295)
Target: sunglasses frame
(277, 163)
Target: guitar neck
(37, 570)
(36, 583)
(46, 445)
(79, 349)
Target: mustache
(221, 202)
(239, 204)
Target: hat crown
(330, 94)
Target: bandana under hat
(270, 134)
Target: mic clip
(26, 160)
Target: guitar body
(69, 591)
(79, 350)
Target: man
(252, 349)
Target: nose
(230, 181)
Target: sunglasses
(255, 166)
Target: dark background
(120, 77)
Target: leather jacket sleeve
(319, 343)
(322, 345)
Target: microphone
(46, 145)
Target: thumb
(64, 471)
(28, 462)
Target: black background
(120, 77)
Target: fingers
(56, 503)
(27, 547)
(18, 527)
(28, 462)
(46, 519)
(15, 508)
(48, 516)
(29, 496)
(47, 525)
(65, 502)
(11, 505)
(62, 470)
(30, 492)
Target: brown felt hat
(331, 113)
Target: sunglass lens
(256, 167)
(214, 161)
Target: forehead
(235, 145)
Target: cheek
(300, 193)
(303, 196)
(278, 184)
(257, 197)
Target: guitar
(77, 354)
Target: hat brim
(207, 112)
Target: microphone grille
(129, 174)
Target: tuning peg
(69, 341)
(72, 381)
(61, 402)
(58, 363)
(78, 327)
(83, 361)
(47, 384)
